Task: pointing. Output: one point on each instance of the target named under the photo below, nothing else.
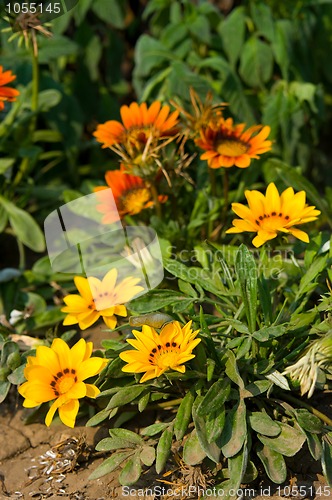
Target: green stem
(313, 410)
(24, 167)
(21, 252)
(155, 197)
(213, 184)
(225, 189)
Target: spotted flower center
(272, 221)
(231, 147)
(165, 356)
(63, 381)
(134, 201)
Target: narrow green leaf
(237, 466)
(148, 455)
(110, 464)
(163, 449)
(193, 452)
(215, 422)
(288, 442)
(131, 472)
(314, 445)
(125, 396)
(246, 270)
(232, 370)
(327, 458)
(273, 462)
(308, 421)
(261, 422)
(211, 449)
(235, 431)
(215, 398)
(154, 429)
(183, 415)
(127, 435)
(255, 388)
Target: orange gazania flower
(6, 93)
(227, 144)
(131, 195)
(139, 123)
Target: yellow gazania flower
(57, 373)
(156, 353)
(99, 298)
(227, 144)
(273, 213)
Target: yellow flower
(227, 144)
(273, 213)
(156, 353)
(57, 372)
(99, 298)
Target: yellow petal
(68, 412)
(28, 403)
(120, 310)
(92, 391)
(301, 235)
(77, 353)
(38, 392)
(70, 319)
(243, 211)
(262, 237)
(60, 347)
(45, 356)
(84, 323)
(88, 350)
(75, 303)
(91, 367)
(272, 199)
(50, 414)
(256, 202)
(83, 287)
(110, 322)
(78, 391)
(109, 280)
(148, 376)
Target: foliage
(258, 312)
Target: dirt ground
(37, 462)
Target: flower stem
(24, 167)
(225, 189)
(155, 197)
(213, 184)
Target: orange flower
(6, 93)
(139, 123)
(131, 195)
(227, 144)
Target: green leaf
(127, 435)
(308, 421)
(155, 300)
(4, 389)
(327, 458)
(314, 445)
(5, 164)
(256, 62)
(193, 452)
(232, 370)
(235, 430)
(47, 136)
(110, 464)
(269, 332)
(143, 402)
(288, 442)
(261, 422)
(307, 281)
(3, 218)
(278, 379)
(237, 466)
(251, 473)
(183, 415)
(187, 289)
(125, 396)
(113, 12)
(149, 55)
(163, 449)
(211, 449)
(215, 398)
(53, 48)
(255, 388)
(214, 423)
(131, 472)
(25, 227)
(98, 418)
(273, 462)
(263, 18)
(116, 443)
(148, 455)
(154, 429)
(232, 31)
(246, 270)
(244, 348)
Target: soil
(37, 462)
